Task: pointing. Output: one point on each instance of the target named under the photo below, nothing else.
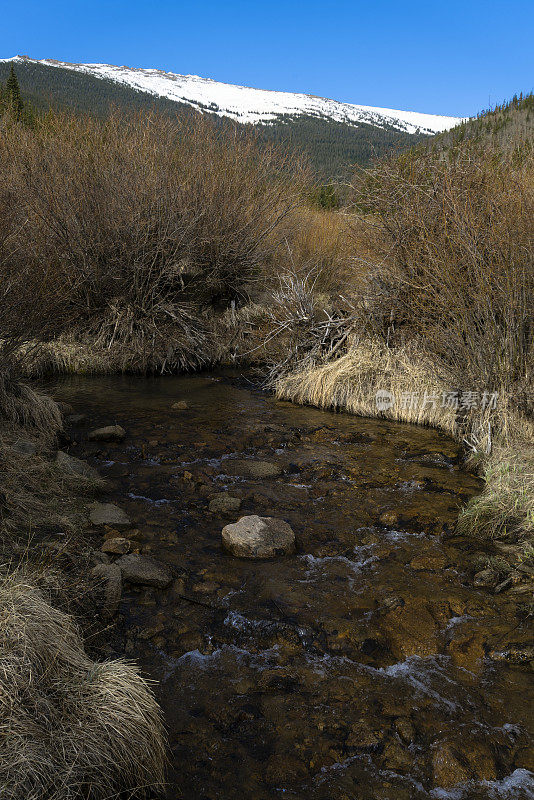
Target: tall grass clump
(70, 728)
(133, 231)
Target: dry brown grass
(70, 728)
(24, 405)
(35, 493)
(320, 241)
(505, 509)
(351, 382)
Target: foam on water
(519, 785)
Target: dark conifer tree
(12, 97)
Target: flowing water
(365, 667)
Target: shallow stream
(365, 667)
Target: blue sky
(438, 57)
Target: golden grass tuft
(70, 728)
(351, 382)
(505, 509)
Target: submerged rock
(258, 537)
(75, 466)
(111, 578)
(110, 433)
(108, 514)
(144, 570)
(224, 503)
(389, 518)
(467, 650)
(461, 761)
(410, 628)
(429, 561)
(253, 469)
(484, 578)
(76, 419)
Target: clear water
(358, 669)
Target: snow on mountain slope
(252, 105)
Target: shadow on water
(364, 667)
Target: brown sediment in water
(366, 666)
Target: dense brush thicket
(130, 231)
(455, 262)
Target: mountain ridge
(250, 105)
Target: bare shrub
(322, 242)
(129, 230)
(70, 728)
(455, 262)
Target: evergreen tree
(12, 100)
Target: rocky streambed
(362, 666)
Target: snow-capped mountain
(252, 105)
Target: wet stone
(485, 578)
(75, 466)
(108, 514)
(224, 503)
(117, 545)
(258, 537)
(145, 571)
(110, 577)
(76, 419)
(110, 433)
(24, 447)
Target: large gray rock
(111, 433)
(144, 570)
(75, 466)
(224, 503)
(110, 576)
(258, 537)
(253, 469)
(108, 514)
